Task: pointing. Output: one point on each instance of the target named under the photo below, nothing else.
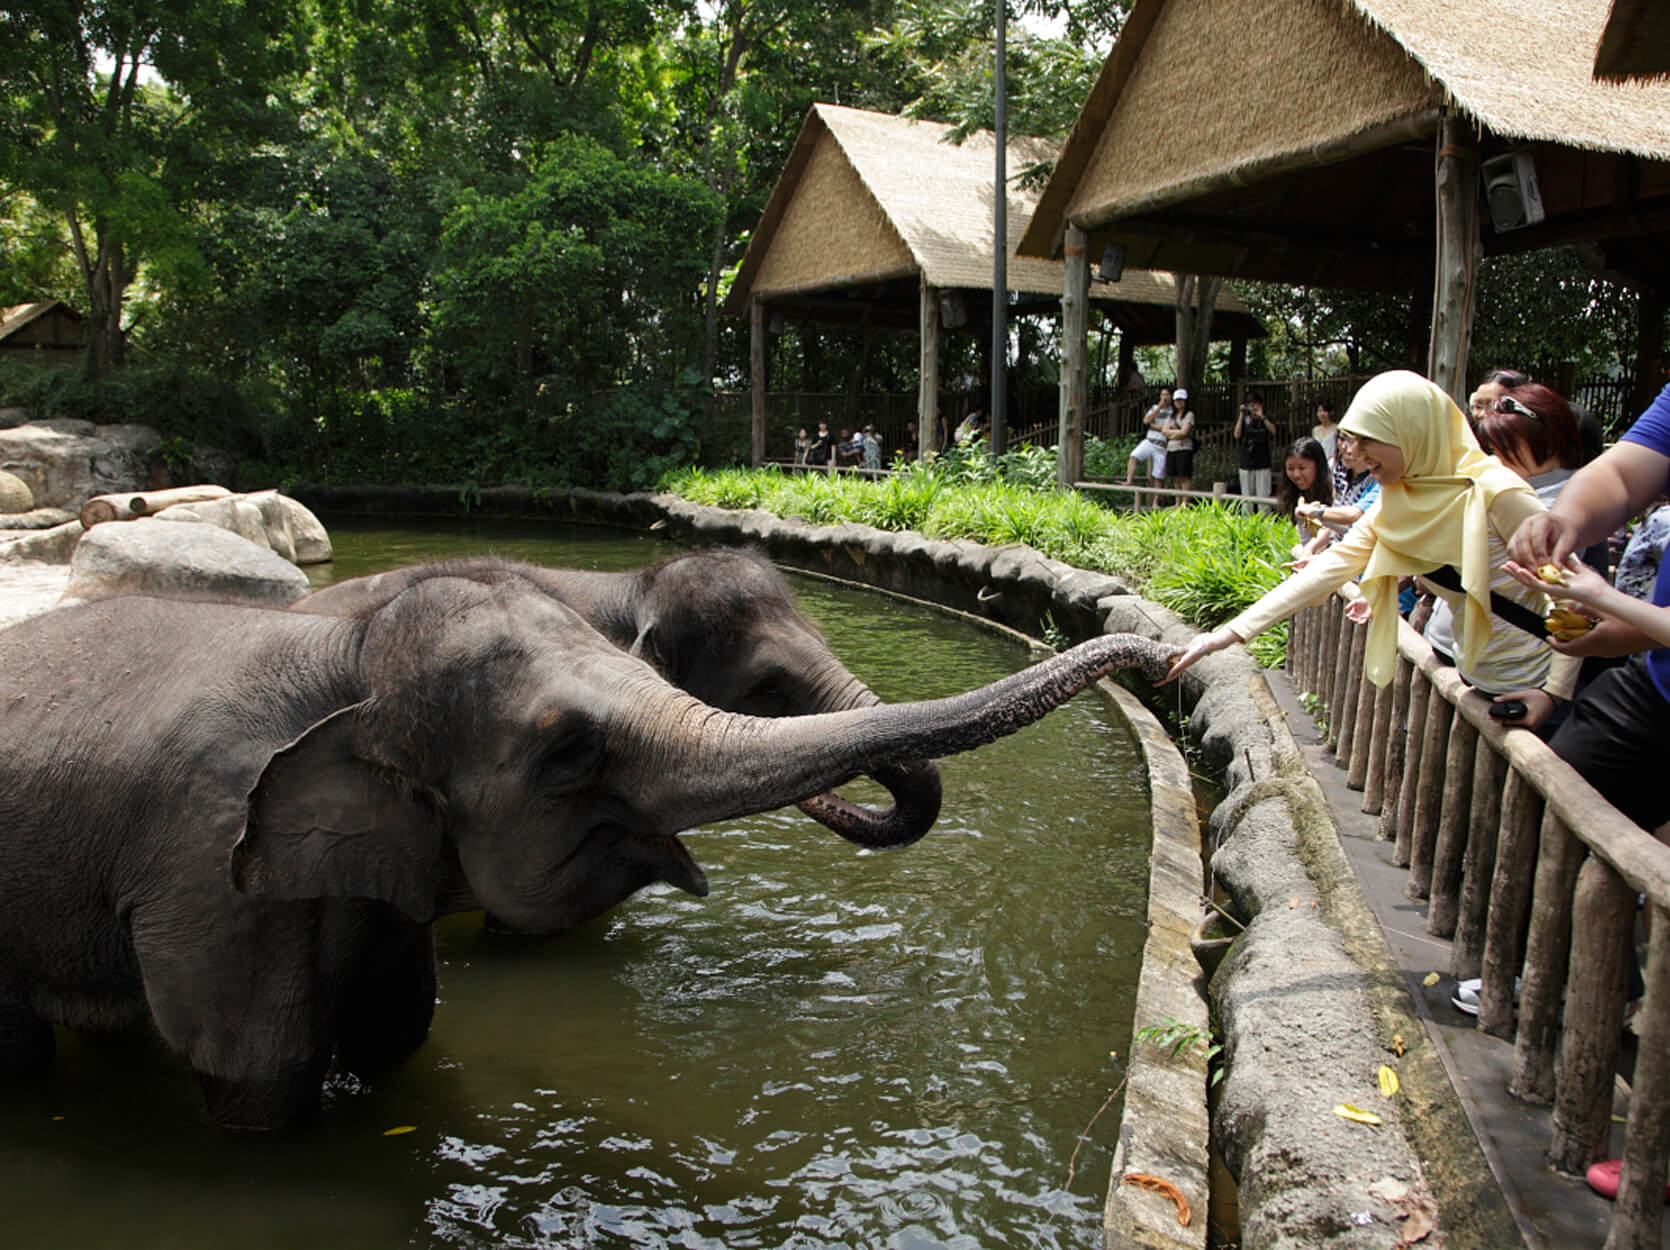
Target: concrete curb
(1308, 998)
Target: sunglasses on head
(1507, 403)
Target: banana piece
(1565, 623)
(1553, 574)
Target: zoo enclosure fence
(1526, 869)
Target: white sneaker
(1466, 996)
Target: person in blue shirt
(1615, 733)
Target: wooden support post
(1489, 773)
(1429, 792)
(1510, 900)
(1454, 819)
(927, 386)
(756, 373)
(1459, 247)
(1350, 692)
(1414, 742)
(1340, 695)
(1603, 917)
(1075, 333)
(1397, 749)
(1296, 626)
(1374, 777)
(1639, 1213)
(1362, 734)
(1558, 858)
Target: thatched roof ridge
(1636, 42)
(936, 198)
(1525, 68)
(1318, 81)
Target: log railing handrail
(1470, 805)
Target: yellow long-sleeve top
(1508, 649)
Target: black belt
(1515, 614)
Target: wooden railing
(1503, 839)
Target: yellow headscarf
(1436, 514)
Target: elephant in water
(240, 822)
(721, 624)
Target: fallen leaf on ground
(1346, 1111)
(1162, 1186)
(1389, 1189)
(1397, 1044)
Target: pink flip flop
(1603, 1178)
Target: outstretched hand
(1582, 583)
(1542, 538)
(1203, 646)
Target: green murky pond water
(836, 1048)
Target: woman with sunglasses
(1444, 505)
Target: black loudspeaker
(1510, 190)
(1112, 266)
(953, 312)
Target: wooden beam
(1075, 334)
(756, 370)
(1459, 247)
(927, 389)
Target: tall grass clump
(1207, 561)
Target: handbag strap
(1515, 614)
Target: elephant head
(721, 624)
(503, 741)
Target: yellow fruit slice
(1388, 1082)
(1553, 574)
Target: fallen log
(125, 507)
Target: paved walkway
(1554, 1212)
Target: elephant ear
(324, 823)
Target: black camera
(1246, 410)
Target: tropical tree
(120, 116)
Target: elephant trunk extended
(914, 784)
(740, 764)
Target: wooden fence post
(1390, 777)
(1327, 664)
(1489, 772)
(1603, 917)
(1639, 1213)
(1340, 695)
(1362, 736)
(1429, 792)
(1454, 820)
(1350, 696)
(927, 382)
(1546, 950)
(1510, 900)
(1420, 691)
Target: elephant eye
(568, 758)
(765, 699)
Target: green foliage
(1207, 562)
(1172, 1035)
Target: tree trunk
(1455, 280)
(1197, 299)
(1075, 304)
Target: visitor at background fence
(912, 446)
(849, 448)
(1256, 434)
(942, 432)
(1617, 727)
(1331, 521)
(802, 445)
(1152, 449)
(972, 429)
(872, 448)
(1305, 478)
(1532, 431)
(1179, 429)
(823, 446)
(1442, 500)
(1325, 431)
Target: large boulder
(64, 462)
(264, 517)
(15, 496)
(190, 561)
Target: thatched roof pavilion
(875, 218)
(1302, 141)
(1636, 42)
(47, 332)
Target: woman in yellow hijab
(1442, 502)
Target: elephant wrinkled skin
(240, 822)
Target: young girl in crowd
(1306, 478)
(1444, 503)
